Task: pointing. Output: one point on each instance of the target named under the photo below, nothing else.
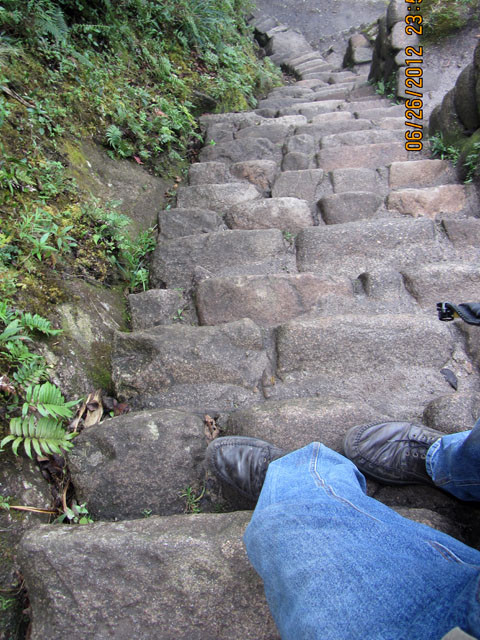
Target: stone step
(178, 222)
(430, 202)
(240, 150)
(312, 83)
(295, 423)
(198, 368)
(291, 91)
(260, 173)
(216, 197)
(159, 306)
(141, 460)
(319, 129)
(309, 185)
(310, 109)
(356, 247)
(237, 252)
(176, 577)
(361, 137)
(421, 173)
(305, 57)
(370, 156)
(376, 113)
(317, 64)
(339, 208)
(276, 133)
(267, 300)
(463, 234)
(370, 103)
(450, 281)
(344, 180)
(285, 213)
(390, 123)
(392, 362)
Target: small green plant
(288, 236)
(192, 500)
(471, 162)
(6, 603)
(146, 513)
(5, 502)
(75, 514)
(178, 315)
(446, 152)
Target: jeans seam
(319, 481)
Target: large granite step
(286, 213)
(217, 197)
(201, 368)
(339, 208)
(432, 202)
(370, 156)
(181, 577)
(234, 252)
(362, 137)
(421, 173)
(392, 362)
(267, 300)
(309, 185)
(355, 247)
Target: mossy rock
(465, 99)
(469, 157)
(444, 120)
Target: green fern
(45, 435)
(48, 400)
(31, 373)
(37, 323)
(114, 136)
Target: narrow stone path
(295, 291)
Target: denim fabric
(453, 462)
(338, 565)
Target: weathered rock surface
(217, 197)
(292, 424)
(233, 252)
(207, 361)
(355, 247)
(429, 202)
(339, 208)
(175, 223)
(288, 214)
(155, 306)
(267, 300)
(178, 578)
(138, 463)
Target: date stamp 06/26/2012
(414, 78)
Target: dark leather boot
(392, 452)
(242, 462)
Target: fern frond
(46, 436)
(30, 372)
(48, 400)
(37, 323)
(12, 330)
(113, 136)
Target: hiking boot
(392, 452)
(242, 462)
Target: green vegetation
(466, 155)
(441, 150)
(192, 499)
(35, 410)
(131, 75)
(443, 17)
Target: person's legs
(453, 463)
(338, 565)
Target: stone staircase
(294, 292)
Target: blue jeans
(338, 565)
